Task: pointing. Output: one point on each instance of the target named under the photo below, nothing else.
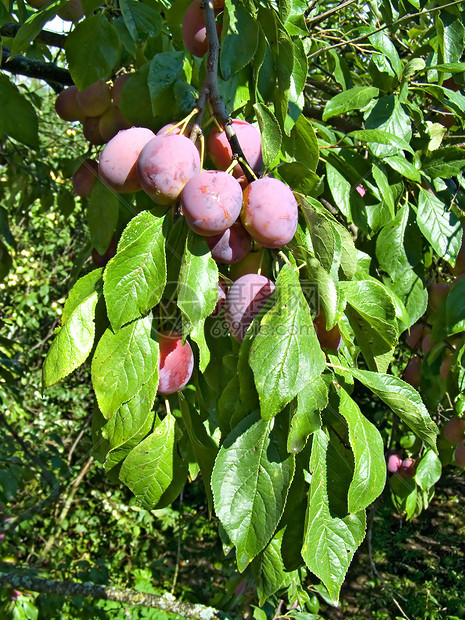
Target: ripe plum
(245, 299)
(269, 212)
(231, 246)
(117, 166)
(211, 202)
(249, 137)
(176, 363)
(165, 165)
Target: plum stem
(210, 91)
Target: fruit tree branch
(210, 90)
(47, 71)
(166, 602)
(45, 36)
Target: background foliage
(362, 112)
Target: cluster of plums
(404, 468)
(96, 107)
(234, 216)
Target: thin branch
(311, 21)
(166, 602)
(47, 71)
(45, 36)
(395, 23)
(210, 91)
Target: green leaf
(390, 248)
(403, 399)
(73, 342)
(123, 362)
(325, 290)
(382, 181)
(355, 98)
(340, 189)
(131, 423)
(270, 132)
(298, 176)
(428, 471)
(368, 448)
(198, 280)
(439, 224)
(102, 216)
(148, 468)
(403, 167)
(239, 41)
(306, 418)
(140, 19)
(135, 277)
(455, 308)
(383, 43)
(269, 572)
(18, 118)
(389, 115)
(203, 445)
(444, 163)
(284, 66)
(302, 143)
(92, 50)
(84, 288)
(250, 482)
(164, 70)
(378, 136)
(33, 25)
(285, 355)
(451, 37)
(330, 542)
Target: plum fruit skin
(112, 121)
(95, 99)
(84, 178)
(222, 290)
(176, 363)
(459, 454)
(117, 165)
(165, 165)
(328, 339)
(412, 372)
(394, 463)
(252, 263)
(91, 130)
(67, 105)
(231, 246)
(194, 32)
(269, 212)
(245, 299)
(211, 202)
(118, 86)
(454, 430)
(250, 140)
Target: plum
(117, 165)
(231, 246)
(394, 462)
(95, 99)
(460, 454)
(165, 165)
(117, 87)
(250, 140)
(252, 263)
(269, 212)
(454, 430)
(84, 178)
(211, 202)
(100, 260)
(67, 105)
(91, 130)
(112, 121)
(245, 299)
(176, 363)
(328, 339)
(194, 33)
(412, 372)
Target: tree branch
(46, 71)
(311, 21)
(45, 36)
(166, 602)
(210, 91)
